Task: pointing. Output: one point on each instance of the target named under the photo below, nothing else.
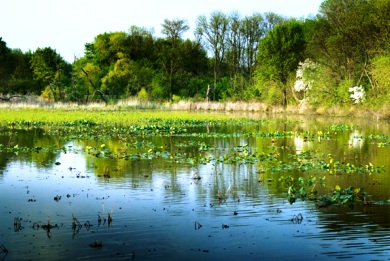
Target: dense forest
(339, 56)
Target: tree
(4, 64)
(381, 20)
(51, 70)
(381, 77)
(107, 48)
(234, 44)
(117, 80)
(173, 29)
(280, 52)
(344, 39)
(243, 37)
(16, 75)
(169, 53)
(21, 78)
(252, 30)
(213, 34)
(139, 44)
(177, 65)
(89, 76)
(126, 78)
(344, 34)
(270, 20)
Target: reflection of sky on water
(155, 216)
(156, 206)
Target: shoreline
(358, 111)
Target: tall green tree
(173, 29)
(342, 35)
(139, 44)
(280, 52)
(107, 46)
(51, 70)
(253, 30)
(344, 39)
(271, 19)
(170, 56)
(21, 80)
(16, 75)
(212, 32)
(126, 78)
(4, 65)
(242, 40)
(235, 44)
(89, 76)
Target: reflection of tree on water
(362, 229)
(4, 158)
(30, 146)
(233, 181)
(356, 140)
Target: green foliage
(302, 188)
(143, 95)
(381, 76)
(139, 44)
(88, 78)
(197, 87)
(240, 58)
(176, 98)
(348, 196)
(223, 88)
(213, 33)
(16, 74)
(51, 70)
(321, 87)
(4, 54)
(20, 79)
(345, 38)
(173, 29)
(124, 63)
(120, 79)
(280, 52)
(157, 91)
(237, 88)
(342, 96)
(342, 35)
(270, 91)
(47, 94)
(107, 47)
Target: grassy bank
(382, 113)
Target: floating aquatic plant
(302, 187)
(343, 196)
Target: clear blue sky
(66, 25)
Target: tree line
(261, 57)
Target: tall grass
(239, 106)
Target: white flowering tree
(357, 94)
(302, 84)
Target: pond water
(233, 191)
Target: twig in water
(197, 225)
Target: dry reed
(239, 106)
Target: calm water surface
(238, 210)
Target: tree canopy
(253, 57)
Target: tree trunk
(285, 97)
(215, 77)
(208, 93)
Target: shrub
(143, 95)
